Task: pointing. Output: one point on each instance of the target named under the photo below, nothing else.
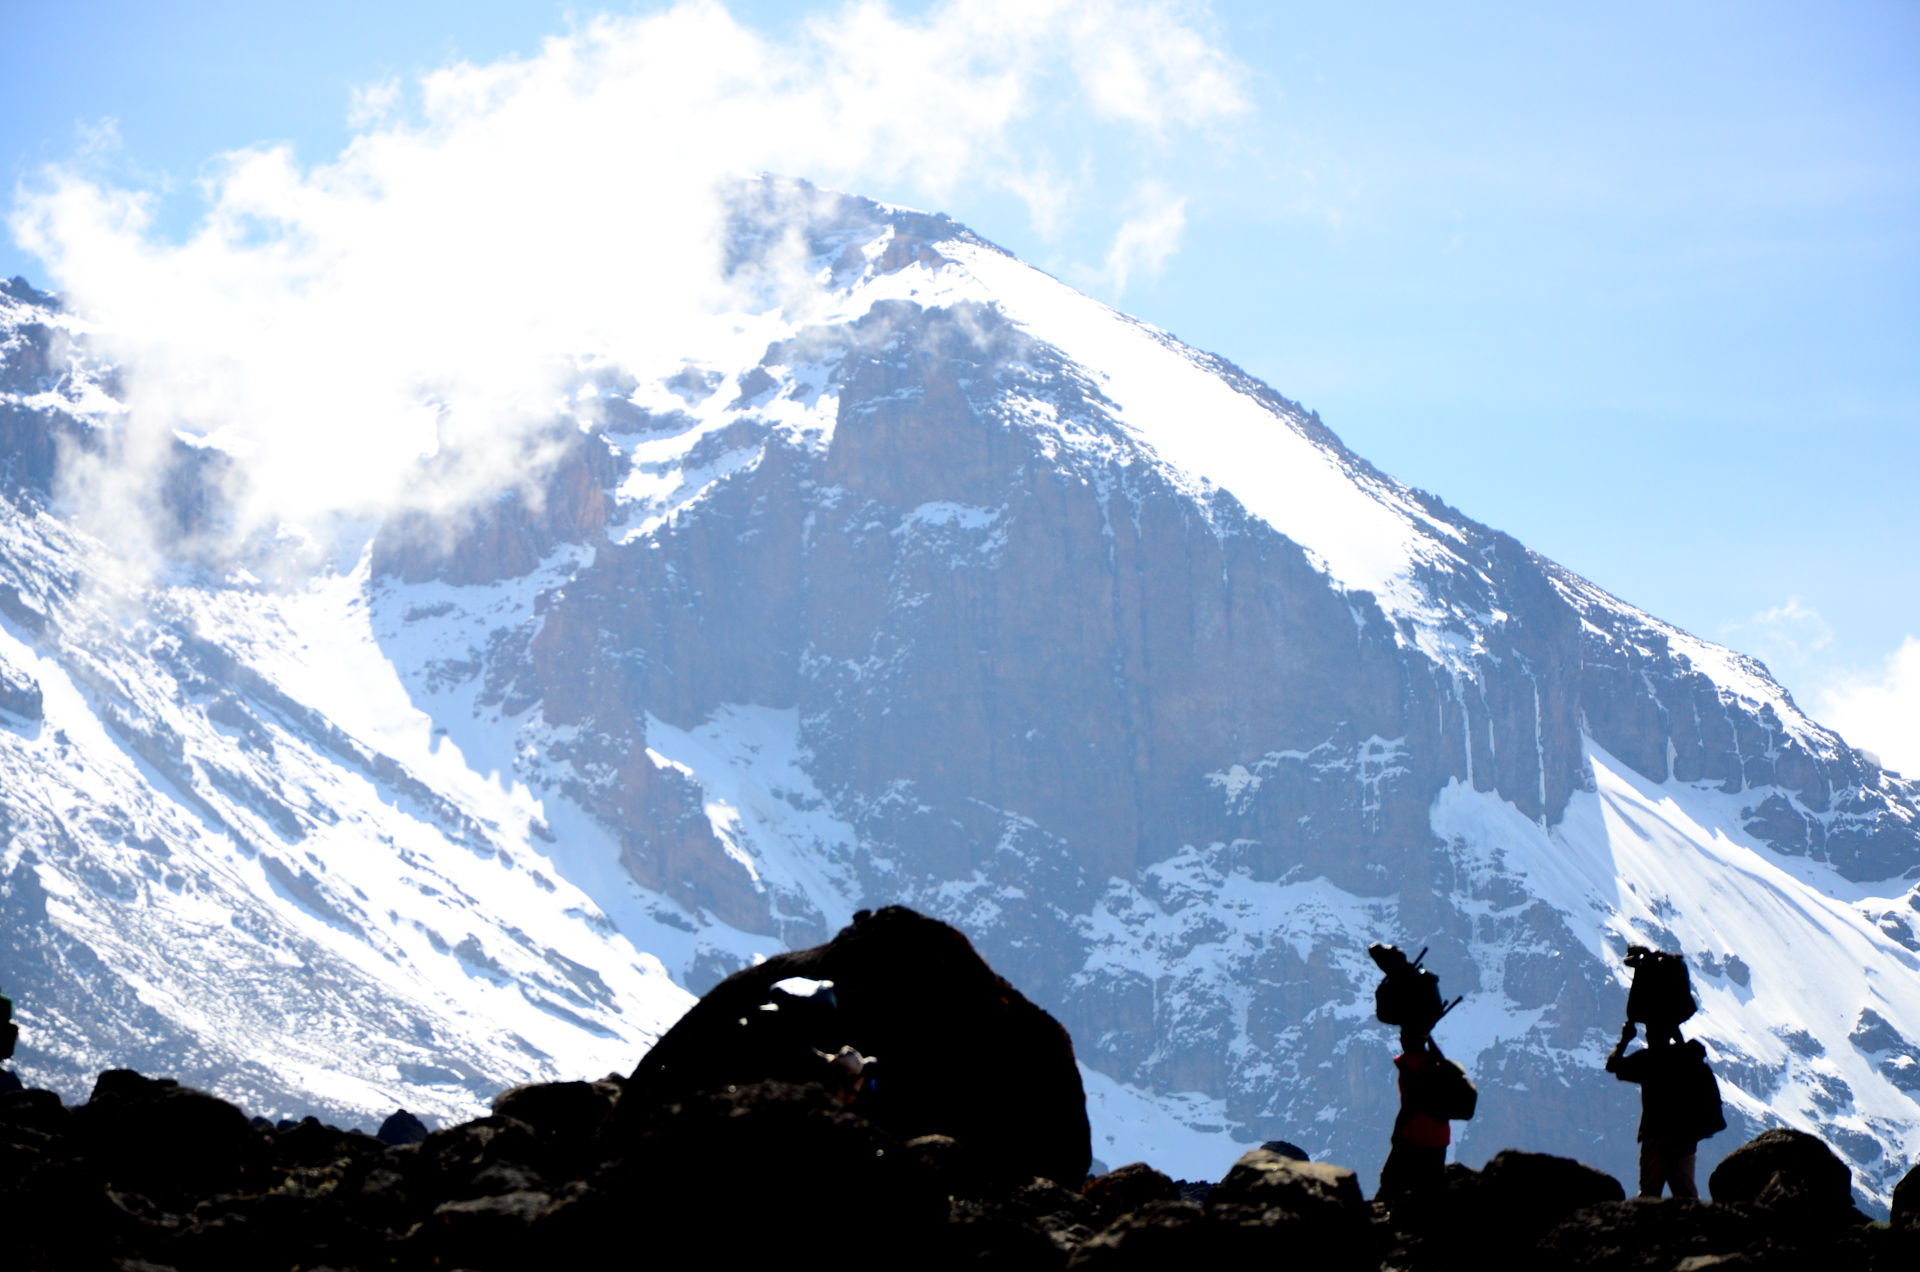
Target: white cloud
(1785, 636)
(370, 103)
(1881, 712)
(1145, 240)
(440, 277)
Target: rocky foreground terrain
(713, 1141)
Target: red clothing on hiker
(1413, 1125)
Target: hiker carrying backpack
(1433, 1089)
(1679, 1096)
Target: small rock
(1264, 1178)
(1129, 1188)
(401, 1127)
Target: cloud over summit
(493, 225)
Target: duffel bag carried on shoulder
(1450, 1094)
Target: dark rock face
(19, 694)
(960, 1052)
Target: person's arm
(1618, 1053)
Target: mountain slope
(956, 588)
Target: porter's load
(1447, 1093)
(1410, 995)
(1662, 993)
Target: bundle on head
(1662, 993)
(1410, 995)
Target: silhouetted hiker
(9, 1033)
(1433, 1089)
(1679, 1096)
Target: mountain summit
(957, 590)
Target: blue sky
(1639, 287)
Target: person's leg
(1411, 1170)
(1393, 1183)
(1679, 1160)
(1653, 1171)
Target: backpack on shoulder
(1450, 1094)
(1699, 1093)
(1410, 995)
(1662, 992)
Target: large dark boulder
(170, 1143)
(1809, 1169)
(567, 1117)
(1906, 1201)
(961, 1052)
(1524, 1195)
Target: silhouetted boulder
(452, 1163)
(1527, 1194)
(1906, 1201)
(39, 1110)
(566, 1116)
(962, 1053)
(401, 1127)
(169, 1142)
(1129, 1188)
(1809, 1167)
(1286, 1149)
